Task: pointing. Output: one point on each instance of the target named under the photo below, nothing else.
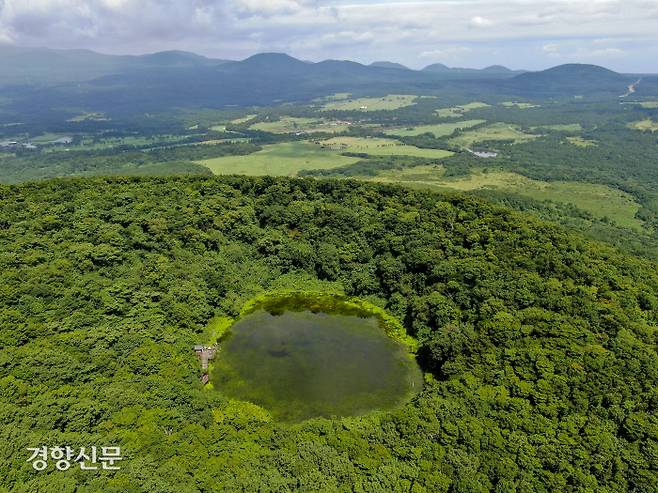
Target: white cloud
(267, 8)
(573, 50)
(606, 53)
(551, 49)
(447, 52)
(479, 21)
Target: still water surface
(300, 365)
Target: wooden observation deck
(205, 354)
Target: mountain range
(44, 67)
(34, 79)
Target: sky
(521, 34)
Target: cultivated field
(458, 111)
(290, 124)
(379, 147)
(599, 200)
(519, 105)
(560, 127)
(389, 103)
(580, 142)
(496, 131)
(438, 130)
(288, 158)
(285, 159)
(91, 117)
(646, 125)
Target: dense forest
(539, 346)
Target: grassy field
(438, 130)
(561, 127)
(290, 124)
(221, 127)
(379, 147)
(599, 200)
(458, 111)
(47, 138)
(288, 158)
(339, 96)
(496, 131)
(649, 105)
(92, 117)
(580, 142)
(88, 143)
(241, 120)
(224, 141)
(390, 102)
(285, 159)
(646, 125)
(519, 105)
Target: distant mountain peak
(272, 58)
(497, 68)
(574, 70)
(384, 64)
(437, 67)
(174, 57)
(571, 79)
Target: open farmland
(289, 124)
(386, 103)
(288, 158)
(646, 125)
(458, 111)
(560, 127)
(519, 105)
(285, 159)
(379, 147)
(581, 142)
(600, 200)
(494, 132)
(438, 130)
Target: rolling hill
(160, 81)
(539, 347)
(493, 71)
(397, 66)
(571, 79)
(47, 67)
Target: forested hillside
(539, 347)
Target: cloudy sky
(531, 34)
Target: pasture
(288, 158)
(458, 111)
(646, 125)
(89, 117)
(290, 124)
(386, 103)
(560, 127)
(493, 132)
(599, 200)
(519, 105)
(438, 130)
(581, 142)
(285, 159)
(379, 147)
(244, 119)
(89, 143)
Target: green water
(299, 365)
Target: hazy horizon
(454, 66)
(475, 33)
